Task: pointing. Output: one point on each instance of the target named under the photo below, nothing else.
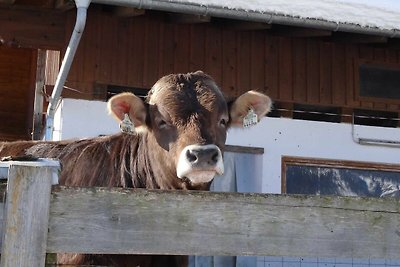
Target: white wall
(288, 137)
(82, 118)
(278, 136)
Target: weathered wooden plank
(100, 220)
(27, 212)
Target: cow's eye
(162, 124)
(223, 122)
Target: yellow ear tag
(126, 125)
(250, 119)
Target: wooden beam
(188, 18)
(127, 12)
(32, 28)
(239, 25)
(344, 37)
(300, 32)
(99, 220)
(38, 103)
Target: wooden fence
(39, 219)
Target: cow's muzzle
(200, 163)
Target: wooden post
(38, 105)
(27, 212)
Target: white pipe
(82, 6)
(219, 11)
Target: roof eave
(248, 15)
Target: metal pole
(82, 6)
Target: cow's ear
(128, 103)
(239, 108)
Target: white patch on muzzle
(200, 163)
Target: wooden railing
(40, 220)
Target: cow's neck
(155, 167)
(157, 170)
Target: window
(379, 81)
(114, 89)
(341, 178)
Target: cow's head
(187, 118)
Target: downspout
(249, 15)
(82, 6)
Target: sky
(383, 14)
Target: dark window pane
(314, 180)
(378, 81)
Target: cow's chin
(200, 177)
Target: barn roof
(380, 17)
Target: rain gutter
(82, 6)
(249, 15)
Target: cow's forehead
(186, 91)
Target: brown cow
(177, 143)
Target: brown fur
(181, 110)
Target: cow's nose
(209, 156)
(203, 160)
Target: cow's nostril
(192, 157)
(215, 157)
